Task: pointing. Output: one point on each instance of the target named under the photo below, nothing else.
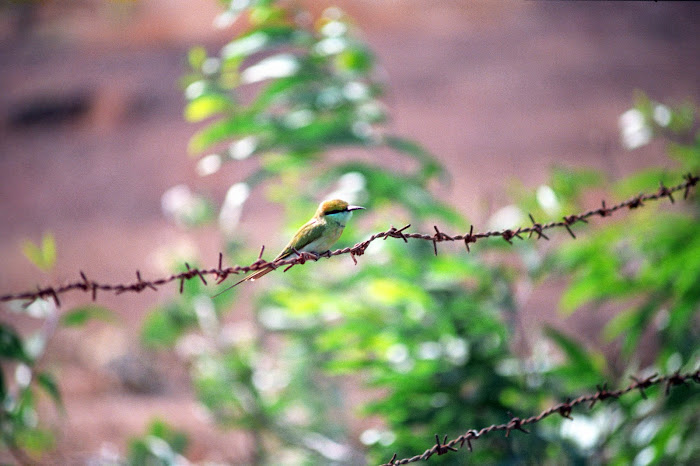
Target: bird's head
(336, 209)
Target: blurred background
(92, 135)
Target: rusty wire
(221, 273)
(563, 409)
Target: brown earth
(499, 91)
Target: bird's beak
(354, 207)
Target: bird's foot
(310, 256)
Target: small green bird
(315, 236)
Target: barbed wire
(563, 409)
(221, 273)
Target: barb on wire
(563, 409)
(358, 249)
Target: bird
(315, 236)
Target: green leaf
(159, 330)
(43, 257)
(196, 57)
(176, 439)
(579, 292)
(688, 156)
(356, 60)
(11, 346)
(266, 13)
(35, 440)
(206, 106)
(586, 363)
(643, 181)
(164, 325)
(48, 383)
(48, 248)
(620, 323)
(33, 253)
(683, 118)
(262, 39)
(278, 89)
(82, 315)
(568, 183)
(240, 125)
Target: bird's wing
(307, 234)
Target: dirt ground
(498, 91)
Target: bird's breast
(326, 240)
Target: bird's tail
(251, 277)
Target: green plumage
(316, 236)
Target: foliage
(164, 325)
(648, 266)
(431, 334)
(18, 420)
(22, 382)
(161, 446)
(286, 92)
(652, 262)
(23, 378)
(429, 339)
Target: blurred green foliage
(648, 268)
(160, 446)
(430, 337)
(24, 379)
(286, 90)
(429, 340)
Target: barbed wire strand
(563, 409)
(91, 286)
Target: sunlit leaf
(261, 39)
(48, 249)
(278, 66)
(196, 57)
(240, 125)
(43, 257)
(35, 440)
(267, 14)
(355, 60)
(206, 106)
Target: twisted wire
(221, 273)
